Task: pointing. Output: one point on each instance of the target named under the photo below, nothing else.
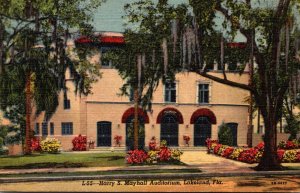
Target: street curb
(145, 176)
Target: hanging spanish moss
(165, 54)
(174, 34)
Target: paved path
(210, 163)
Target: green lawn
(63, 160)
(116, 172)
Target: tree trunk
(136, 119)
(28, 114)
(269, 160)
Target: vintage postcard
(149, 96)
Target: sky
(108, 16)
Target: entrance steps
(123, 149)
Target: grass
(68, 160)
(114, 172)
(62, 160)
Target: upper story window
(203, 93)
(170, 92)
(44, 128)
(37, 128)
(105, 62)
(67, 128)
(67, 103)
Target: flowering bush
(227, 152)
(260, 146)
(216, 148)
(209, 143)
(152, 156)
(175, 154)
(248, 155)
(280, 153)
(79, 143)
(136, 156)
(118, 139)
(35, 144)
(163, 143)
(164, 154)
(152, 144)
(221, 149)
(50, 145)
(288, 144)
(186, 138)
(289, 156)
(236, 153)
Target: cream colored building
(193, 105)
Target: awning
(205, 113)
(172, 111)
(130, 112)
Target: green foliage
(225, 135)
(33, 38)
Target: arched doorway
(202, 120)
(103, 133)
(169, 120)
(202, 131)
(169, 129)
(130, 133)
(128, 119)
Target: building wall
(105, 104)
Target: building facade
(191, 106)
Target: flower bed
(160, 155)
(289, 144)
(250, 155)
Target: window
(203, 95)
(67, 104)
(45, 128)
(170, 92)
(67, 128)
(105, 62)
(51, 128)
(37, 128)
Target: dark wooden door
(202, 131)
(104, 133)
(169, 129)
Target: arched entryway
(103, 133)
(128, 118)
(202, 120)
(169, 118)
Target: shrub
(152, 156)
(3, 150)
(289, 156)
(225, 135)
(136, 156)
(216, 148)
(35, 145)
(288, 144)
(280, 153)
(227, 152)
(248, 155)
(50, 145)
(236, 153)
(79, 143)
(221, 149)
(260, 146)
(164, 154)
(175, 154)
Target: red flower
(260, 146)
(248, 155)
(164, 154)
(35, 144)
(79, 143)
(216, 149)
(118, 139)
(227, 152)
(280, 153)
(136, 156)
